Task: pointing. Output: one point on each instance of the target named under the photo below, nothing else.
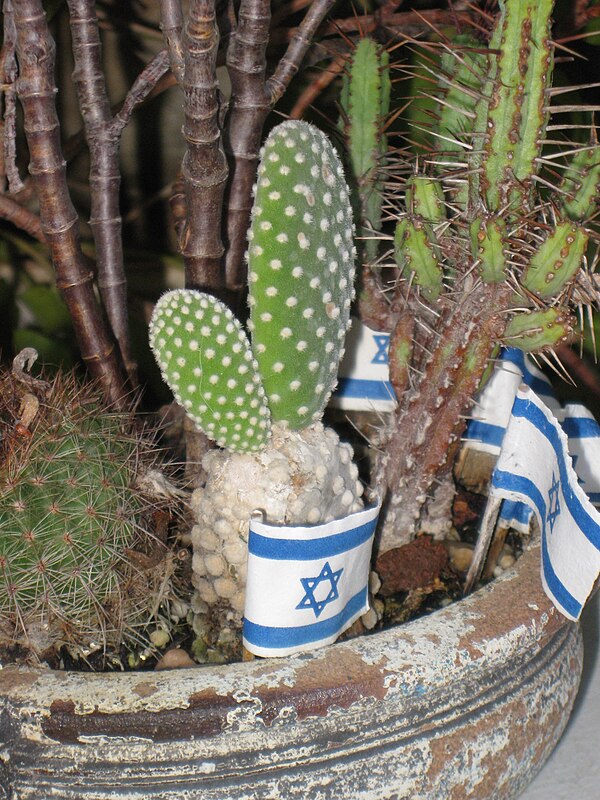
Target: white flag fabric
(584, 446)
(363, 376)
(491, 412)
(535, 467)
(306, 585)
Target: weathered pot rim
(488, 627)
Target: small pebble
(506, 561)
(461, 555)
(369, 619)
(160, 637)
(176, 658)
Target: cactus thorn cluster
(488, 248)
(71, 517)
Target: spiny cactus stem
(440, 404)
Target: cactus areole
(301, 280)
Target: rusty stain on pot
(12, 679)
(145, 689)
(317, 689)
(343, 678)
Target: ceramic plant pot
(466, 703)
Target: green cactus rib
(206, 359)
(581, 183)
(536, 330)
(488, 245)
(462, 75)
(516, 114)
(301, 271)
(365, 102)
(416, 250)
(556, 260)
(425, 198)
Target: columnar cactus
(491, 257)
(262, 398)
(71, 517)
(365, 104)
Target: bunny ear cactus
(262, 398)
(301, 271)
(486, 253)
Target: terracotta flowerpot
(466, 703)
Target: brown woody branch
(204, 167)
(143, 86)
(36, 90)
(9, 77)
(252, 99)
(301, 38)
(21, 218)
(171, 25)
(105, 177)
(248, 110)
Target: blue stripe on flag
(484, 432)
(581, 427)
(515, 511)
(556, 586)
(370, 390)
(266, 636)
(309, 549)
(517, 357)
(529, 411)
(526, 487)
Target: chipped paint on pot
(467, 702)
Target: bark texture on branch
(105, 176)
(36, 90)
(204, 167)
(248, 110)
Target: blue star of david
(553, 503)
(381, 342)
(310, 584)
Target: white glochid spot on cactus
(215, 331)
(297, 331)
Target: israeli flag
(491, 412)
(364, 375)
(583, 432)
(306, 585)
(534, 467)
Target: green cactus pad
(537, 330)
(205, 358)
(301, 270)
(556, 260)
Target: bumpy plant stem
(105, 177)
(36, 90)
(430, 419)
(204, 165)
